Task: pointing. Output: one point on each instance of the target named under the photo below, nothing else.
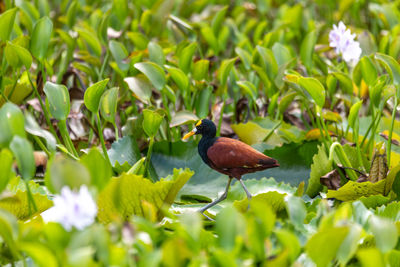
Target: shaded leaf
(23, 151)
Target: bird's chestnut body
(228, 156)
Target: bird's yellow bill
(189, 134)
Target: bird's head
(204, 127)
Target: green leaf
(321, 166)
(375, 91)
(245, 57)
(286, 100)
(108, 104)
(17, 55)
(72, 14)
(183, 117)
(297, 211)
(370, 257)
(353, 190)
(124, 153)
(307, 49)
(385, 232)
(225, 69)
(186, 57)
(368, 70)
(23, 151)
(32, 127)
(126, 195)
(323, 246)
(11, 123)
(7, 23)
(350, 244)
(91, 39)
(218, 19)
(18, 203)
(290, 242)
(99, 168)
(153, 72)
(210, 38)
(345, 82)
(202, 103)
(40, 38)
(63, 171)
(58, 100)
(179, 78)
(9, 231)
(200, 69)
(120, 54)
(392, 67)
(156, 53)
(281, 54)
(139, 40)
(140, 87)
(151, 122)
(248, 88)
(314, 88)
(41, 254)
(390, 178)
(353, 113)
(93, 95)
(6, 161)
(229, 226)
(250, 133)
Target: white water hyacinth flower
(72, 209)
(343, 42)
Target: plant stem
(66, 138)
(41, 145)
(389, 144)
(31, 200)
(45, 111)
(101, 137)
(343, 158)
(359, 157)
(148, 158)
(116, 132)
(104, 64)
(272, 131)
(221, 116)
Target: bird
(228, 156)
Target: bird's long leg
(222, 197)
(245, 189)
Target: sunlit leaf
(18, 203)
(6, 161)
(93, 95)
(151, 122)
(126, 195)
(140, 87)
(153, 72)
(7, 23)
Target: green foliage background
(99, 93)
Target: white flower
(343, 42)
(72, 209)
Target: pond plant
(95, 97)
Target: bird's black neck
(205, 143)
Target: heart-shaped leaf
(153, 72)
(151, 122)
(93, 95)
(108, 104)
(58, 100)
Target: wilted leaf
(331, 180)
(125, 195)
(353, 190)
(379, 166)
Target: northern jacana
(228, 156)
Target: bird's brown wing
(228, 153)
